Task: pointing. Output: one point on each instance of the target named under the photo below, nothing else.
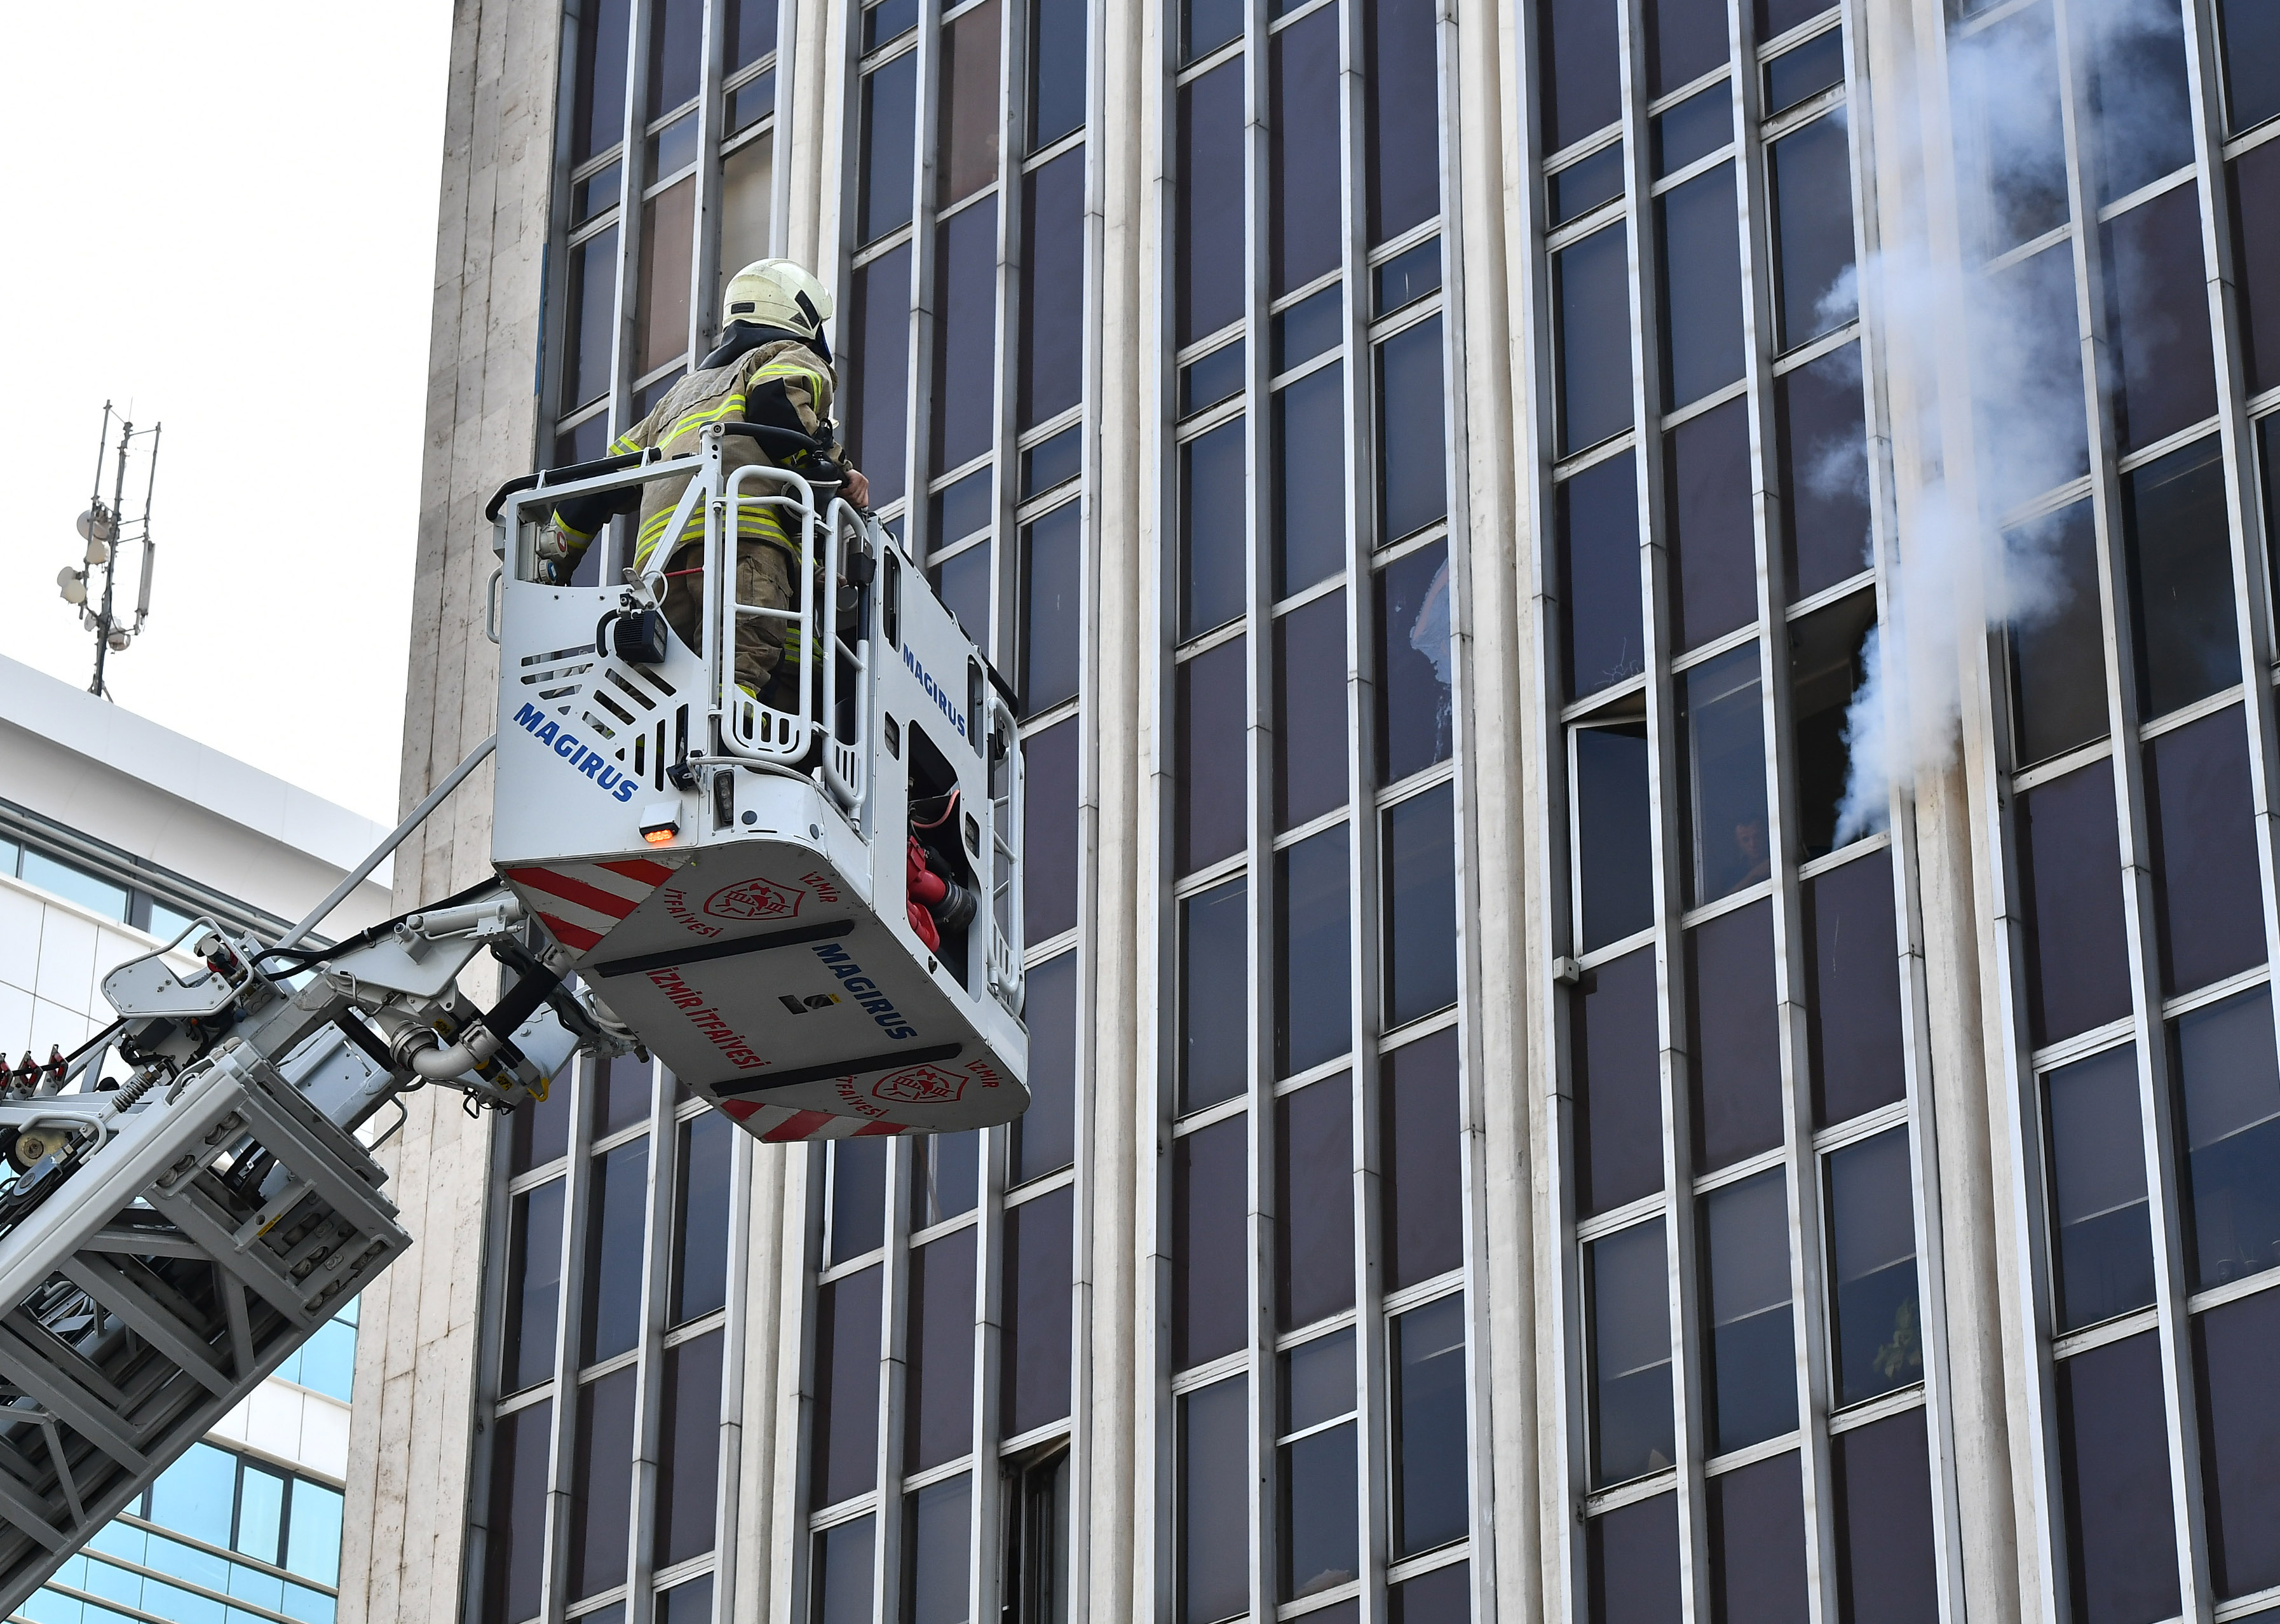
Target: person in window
(773, 366)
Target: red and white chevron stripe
(581, 903)
(788, 1125)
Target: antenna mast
(104, 528)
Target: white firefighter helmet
(777, 293)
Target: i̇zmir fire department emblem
(920, 1085)
(756, 898)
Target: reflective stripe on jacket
(783, 382)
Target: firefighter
(773, 365)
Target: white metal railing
(1006, 935)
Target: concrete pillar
(410, 1437)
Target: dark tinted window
(1414, 663)
(2069, 871)
(1805, 70)
(1310, 711)
(1702, 303)
(1736, 1060)
(966, 328)
(688, 1469)
(1211, 1279)
(540, 1131)
(1876, 1317)
(1829, 658)
(1584, 185)
(2057, 643)
(1752, 1355)
(1685, 39)
(2256, 243)
(2236, 1355)
(676, 34)
(1852, 990)
(1319, 1479)
(2181, 578)
(1314, 993)
(1207, 265)
(1214, 996)
(700, 1220)
(1303, 148)
(1039, 1234)
(1596, 516)
(534, 1287)
(1210, 797)
(1811, 187)
(1581, 89)
(1631, 1425)
(1430, 1432)
(1711, 523)
(592, 297)
(2102, 1246)
(2113, 1447)
(1723, 776)
(1310, 496)
(1045, 1136)
(1591, 289)
(1420, 949)
(2251, 62)
(1824, 470)
(1420, 1172)
(878, 371)
(1214, 1503)
(859, 1198)
(1614, 855)
(2206, 888)
(1694, 129)
(1887, 1570)
(1401, 109)
(514, 1562)
(1313, 1176)
(965, 155)
(2230, 1084)
(888, 128)
(2158, 292)
(936, 1523)
(1052, 275)
(1632, 1557)
(847, 1387)
(1412, 442)
(1057, 69)
(617, 1227)
(598, 120)
(1440, 1596)
(1053, 579)
(1049, 855)
(1214, 506)
(939, 1390)
(1615, 1045)
(601, 1498)
(843, 1573)
(1757, 1544)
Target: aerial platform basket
(733, 878)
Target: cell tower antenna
(105, 527)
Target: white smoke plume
(2020, 329)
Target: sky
(227, 222)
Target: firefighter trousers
(763, 581)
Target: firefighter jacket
(778, 380)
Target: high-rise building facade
(1644, 631)
(116, 836)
